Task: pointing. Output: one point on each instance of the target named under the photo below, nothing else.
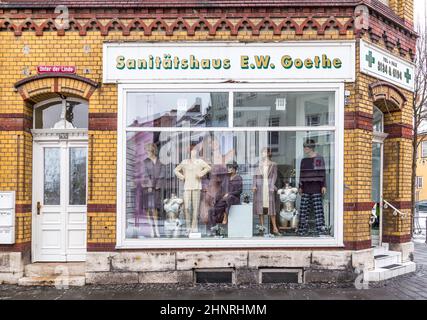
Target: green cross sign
(408, 76)
(370, 58)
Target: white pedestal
(240, 221)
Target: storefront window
(268, 174)
(277, 109)
(202, 109)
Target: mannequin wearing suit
(152, 181)
(191, 171)
(264, 189)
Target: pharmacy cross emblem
(370, 58)
(408, 76)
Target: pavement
(408, 287)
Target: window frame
(419, 182)
(337, 129)
(423, 148)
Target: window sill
(290, 242)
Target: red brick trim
(103, 208)
(18, 247)
(358, 245)
(397, 239)
(382, 90)
(358, 120)
(97, 247)
(22, 82)
(15, 122)
(399, 130)
(23, 208)
(358, 206)
(103, 121)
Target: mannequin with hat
(233, 186)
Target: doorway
(60, 175)
(379, 136)
(60, 153)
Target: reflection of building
(421, 179)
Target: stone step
(58, 281)
(381, 249)
(388, 272)
(55, 269)
(387, 258)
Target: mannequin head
(266, 153)
(232, 168)
(193, 151)
(309, 147)
(151, 149)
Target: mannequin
(312, 188)
(288, 215)
(191, 171)
(212, 184)
(153, 176)
(233, 186)
(172, 208)
(264, 189)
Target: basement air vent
(214, 276)
(280, 276)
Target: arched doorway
(60, 179)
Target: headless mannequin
(191, 171)
(288, 214)
(264, 166)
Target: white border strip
(336, 241)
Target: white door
(60, 192)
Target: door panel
(50, 220)
(76, 202)
(60, 174)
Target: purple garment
(312, 175)
(153, 176)
(234, 188)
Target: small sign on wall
(56, 69)
(379, 63)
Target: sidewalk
(408, 287)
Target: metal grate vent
(214, 277)
(281, 276)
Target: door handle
(39, 206)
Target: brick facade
(28, 38)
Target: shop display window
(230, 165)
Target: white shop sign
(317, 61)
(379, 63)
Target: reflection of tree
(78, 176)
(69, 114)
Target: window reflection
(217, 184)
(278, 109)
(50, 115)
(177, 109)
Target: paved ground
(408, 287)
